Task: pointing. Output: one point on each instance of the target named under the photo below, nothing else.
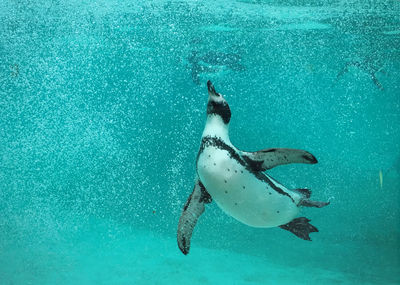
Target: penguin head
(217, 105)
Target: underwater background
(102, 106)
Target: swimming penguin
(372, 68)
(213, 62)
(236, 181)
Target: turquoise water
(102, 106)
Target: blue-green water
(102, 106)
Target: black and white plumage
(236, 181)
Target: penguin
(372, 68)
(237, 182)
(213, 62)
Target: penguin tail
(300, 227)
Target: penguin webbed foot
(300, 227)
(304, 192)
(315, 204)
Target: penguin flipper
(376, 81)
(268, 158)
(300, 227)
(192, 210)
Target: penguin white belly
(241, 194)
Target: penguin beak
(211, 90)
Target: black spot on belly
(235, 171)
(244, 187)
(225, 181)
(269, 193)
(226, 192)
(215, 163)
(277, 212)
(229, 169)
(235, 204)
(241, 171)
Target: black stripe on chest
(220, 144)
